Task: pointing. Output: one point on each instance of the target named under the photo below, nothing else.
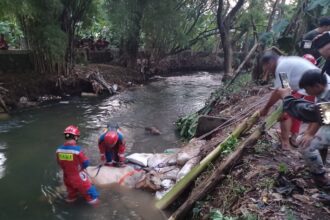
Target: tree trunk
(132, 42)
(227, 53)
(272, 16)
(224, 23)
(257, 68)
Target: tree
(225, 20)
(126, 17)
(73, 12)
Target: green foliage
(216, 214)
(290, 215)
(229, 146)
(162, 26)
(187, 125)
(13, 33)
(315, 4)
(197, 209)
(283, 168)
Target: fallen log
(99, 79)
(229, 162)
(180, 186)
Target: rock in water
(152, 130)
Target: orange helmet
(72, 130)
(111, 138)
(310, 58)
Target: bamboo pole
(230, 161)
(180, 186)
(238, 70)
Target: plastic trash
(172, 150)
(115, 87)
(64, 102)
(139, 158)
(167, 183)
(88, 94)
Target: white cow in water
(125, 176)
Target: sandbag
(161, 160)
(139, 158)
(190, 151)
(187, 167)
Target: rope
(131, 173)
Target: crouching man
(112, 146)
(316, 139)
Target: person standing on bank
(324, 25)
(294, 67)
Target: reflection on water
(2, 159)
(29, 176)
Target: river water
(28, 140)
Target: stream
(28, 141)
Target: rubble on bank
(30, 89)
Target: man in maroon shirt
(3, 43)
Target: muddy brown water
(28, 140)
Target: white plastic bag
(139, 158)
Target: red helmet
(111, 138)
(310, 58)
(72, 130)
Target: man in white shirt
(293, 67)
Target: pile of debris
(166, 169)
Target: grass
(262, 146)
(282, 168)
(266, 183)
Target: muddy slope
(267, 183)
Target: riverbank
(266, 182)
(30, 89)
